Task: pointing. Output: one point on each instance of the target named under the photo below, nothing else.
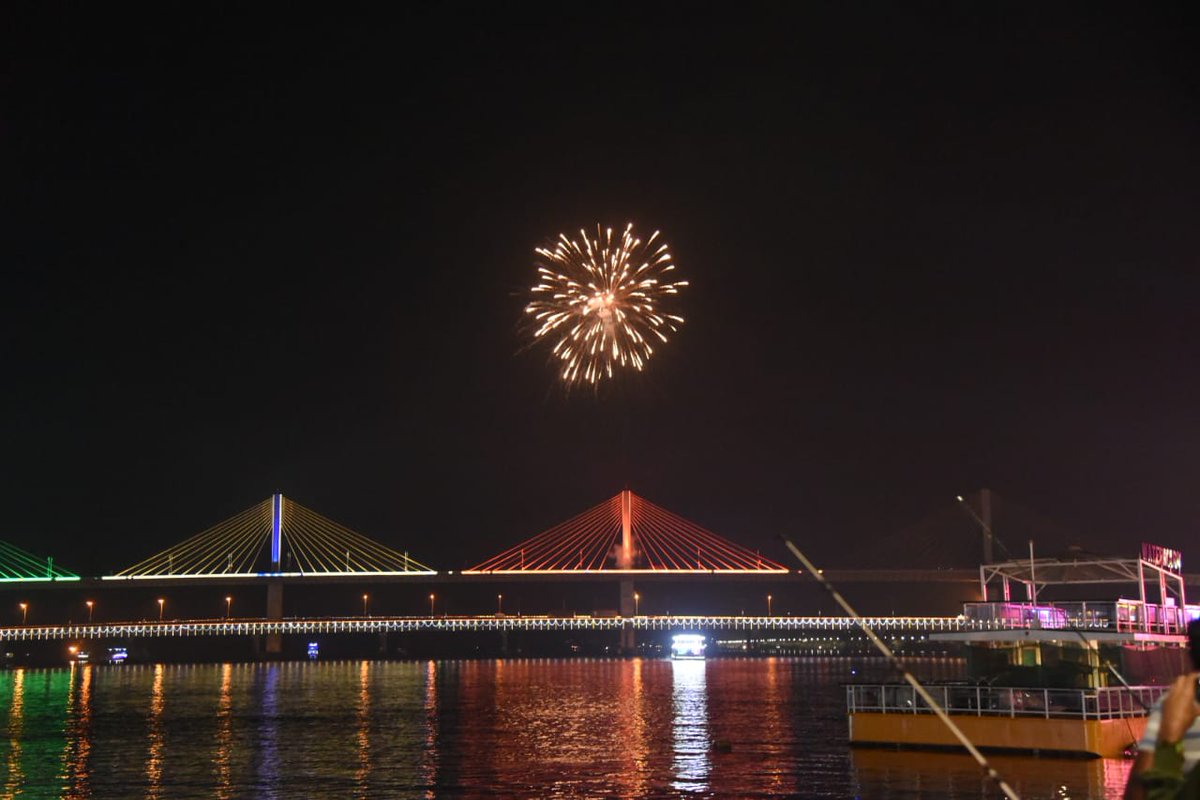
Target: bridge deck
(343, 625)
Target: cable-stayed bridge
(279, 542)
(626, 536)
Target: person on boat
(1176, 735)
(1188, 740)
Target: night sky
(932, 248)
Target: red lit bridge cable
(659, 541)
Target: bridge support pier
(628, 609)
(274, 612)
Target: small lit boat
(687, 646)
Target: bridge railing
(993, 701)
(1117, 615)
(497, 622)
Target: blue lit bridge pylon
(277, 538)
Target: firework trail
(600, 300)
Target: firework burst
(600, 300)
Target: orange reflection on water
(635, 752)
(558, 727)
(16, 726)
(224, 734)
(362, 737)
(154, 761)
(78, 745)
(775, 729)
(951, 774)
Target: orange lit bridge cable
(720, 553)
(578, 544)
(558, 548)
(539, 552)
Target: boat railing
(1113, 615)
(1004, 701)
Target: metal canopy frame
(1037, 573)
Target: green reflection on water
(38, 704)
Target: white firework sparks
(601, 300)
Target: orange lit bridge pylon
(627, 534)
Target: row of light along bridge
(384, 625)
(279, 541)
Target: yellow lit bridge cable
(236, 535)
(318, 544)
(234, 548)
(383, 555)
(335, 541)
(190, 556)
(315, 551)
(165, 561)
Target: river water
(764, 727)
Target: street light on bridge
(365, 598)
(431, 596)
(768, 605)
(161, 602)
(91, 605)
(228, 603)
(637, 598)
(499, 604)
(24, 611)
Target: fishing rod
(899, 666)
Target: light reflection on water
(78, 740)
(362, 737)
(765, 727)
(224, 737)
(155, 757)
(15, 776)
(689, 725)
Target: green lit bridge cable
(19, 565)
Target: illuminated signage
(1163, 557)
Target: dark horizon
(931, 249)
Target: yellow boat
(1047, 677)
